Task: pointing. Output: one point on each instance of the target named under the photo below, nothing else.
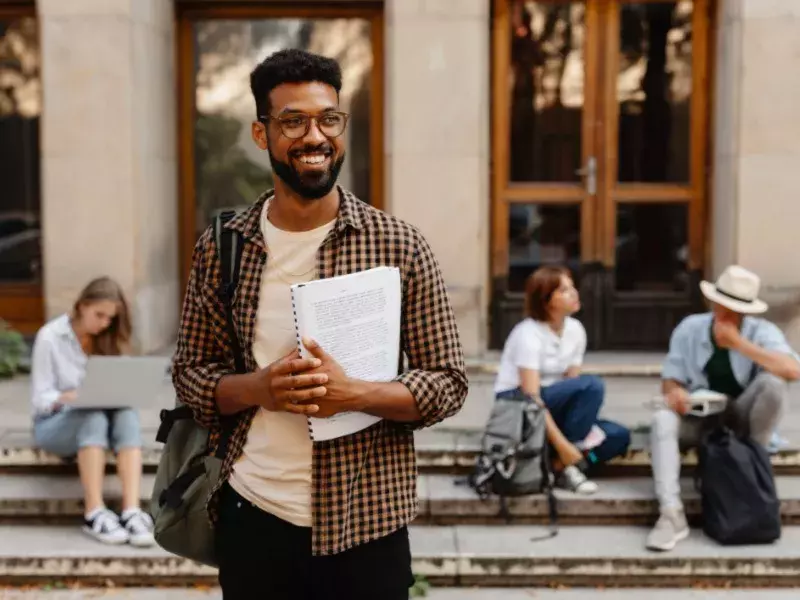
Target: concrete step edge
(443, 500)
(456, 455)
(464, 556)
(489, 367)
(433, 593)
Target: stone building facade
(131, 90)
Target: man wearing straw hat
(728, 351)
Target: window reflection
(541, 234)
(547, 78)
(20, 108)
(231, 170)
(654, 89)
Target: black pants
(262, 557)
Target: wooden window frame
(693, 193)
(505, 192)
(599, 138)
(186, 13)
(22, 304)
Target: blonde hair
(114, 339)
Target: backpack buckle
(168, 418)
(507, 466)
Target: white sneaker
(104, 526)
(139, 526)
(572, 479)
(670, 529)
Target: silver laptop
(122, 381)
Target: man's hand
(678, 400)
(290, 385)
(342, 391)
(726, 334)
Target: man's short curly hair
(291, 66)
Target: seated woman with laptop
(97, 325)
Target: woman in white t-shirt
(543, 356)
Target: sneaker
(572, 479)
(670, 529)
(139, 526)
(104, 526)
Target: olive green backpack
(187, 471)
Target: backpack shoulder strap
(229, 251)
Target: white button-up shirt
(58, 364)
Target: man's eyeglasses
(295, 126)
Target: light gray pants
(755, 413)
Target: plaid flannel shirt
(363, 485)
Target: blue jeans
(618, 438)
(69, 430)
(575, 405)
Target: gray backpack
(514, 459)
(186, 471)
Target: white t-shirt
(533, 345)
(274, 471)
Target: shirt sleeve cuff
(424, 394)
(45, 401)
(672, 372)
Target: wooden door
(655, 168)
(586, 174)
(20, 189)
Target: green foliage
(420, 588)
(226, 177)
(12, 350)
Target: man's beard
(313, 185)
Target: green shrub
(12, 350)
(421, 587)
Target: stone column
(437, 142)
(757, 148)
(109, 203)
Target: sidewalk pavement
(433, 594)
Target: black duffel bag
(737, 490)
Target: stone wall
(109, 156)
(757, 149)
(437, 142)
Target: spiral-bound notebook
(356, 319)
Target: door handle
(590, 173)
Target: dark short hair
(539, 289)
(291, 66)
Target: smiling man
(297, 519)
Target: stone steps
(441, 450)
(458, 541)
(443, 500)
(447, 556)
(620, 366)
